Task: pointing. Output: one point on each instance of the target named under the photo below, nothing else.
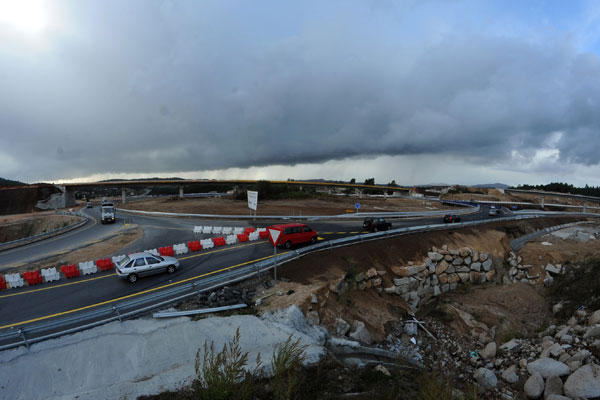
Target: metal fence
(35, 332)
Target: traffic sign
(274, 233)
(357, 205)
(252, 199)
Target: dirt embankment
(325, 205)
(509, 308)
(12, 228)
(23, 199)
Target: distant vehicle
(493, 211)
(294, 233)
(376, 224)
(89, 204)
(142, 264)
(450, 218)
(107, 213)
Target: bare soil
(324, 205)
(15, 227)
(517, 308)
(90, 252)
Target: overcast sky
(415, 91)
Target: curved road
(24, 305)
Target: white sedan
(141, 264)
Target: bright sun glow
(24, 15)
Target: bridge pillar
(543, 200)
(69, 197)
(181, 191)
(585, 206)
(123, 195)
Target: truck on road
(107, 213)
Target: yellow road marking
(327, 233)
(113, 274)
(354, 232)
(134, 294)
(340, 233)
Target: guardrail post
(22, 334)
(116, 310)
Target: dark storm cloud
(136, 87)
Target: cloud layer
(137, 87)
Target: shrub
(287, 368)
(223, 375)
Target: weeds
(287, 368)
(223, 375)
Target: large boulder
(341, 327)
(547, 367)
(534, 386)
(594, 318)
(489, 351)
(510, 374)
(585, 382)
(554, 385)
(485, 378)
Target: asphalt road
(20, 306)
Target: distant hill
(492, 186)
(8, 182)
(143, 179)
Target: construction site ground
(19, 226)
(323, 205)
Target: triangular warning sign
(274, 235)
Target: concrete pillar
(585, 206)
(543, 200)
(68, 196)
(181, 191)
(123, 195)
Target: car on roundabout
(372, 224)
(294, 233)
(450, 218)
(136, 265)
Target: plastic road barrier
(195, 245)
(238, 230)
(50, 274)
(197, 229)
(242, 237)
(217, 229)
(261, 229)
(263, 234)
(32, 277)
(105, 264)
(14, 280)
(230, 239)
(2, 283)
(88, 268)
(206, 229)
(227, 230)
(253, 236)
(207, 244)
(153, 251)
(219, 241)
(166, 251)
(180, 248)
(117, 259)
(248, 229)
(70, 271)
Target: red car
(292, 234)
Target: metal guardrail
(35, 332)
(41, 236)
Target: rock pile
(226, 296)
(560, 364)
(441, 271)
(519, 272)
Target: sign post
(252, 201)
(274, 233)
(357, 206)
